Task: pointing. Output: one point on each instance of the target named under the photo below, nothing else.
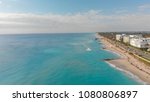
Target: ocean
(58, 59)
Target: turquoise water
(57, 59)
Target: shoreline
(127, 62)
(128, 73)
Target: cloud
(91, 21)
(123, 11)
(1, 2)
(144, 7)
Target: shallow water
(57, 59)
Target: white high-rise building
(148, 40)
(126, 38)
(119, 37)
(139, 42)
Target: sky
(56, 16)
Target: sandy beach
(127, 62)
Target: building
(119, 37)
(148, 40)
(126, 39)
(136, 36)
(139, 42)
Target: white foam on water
(133, 76)
(88, 49)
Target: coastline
(128, 73)
(127, 62)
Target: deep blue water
(57, 59)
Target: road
(132, 50)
